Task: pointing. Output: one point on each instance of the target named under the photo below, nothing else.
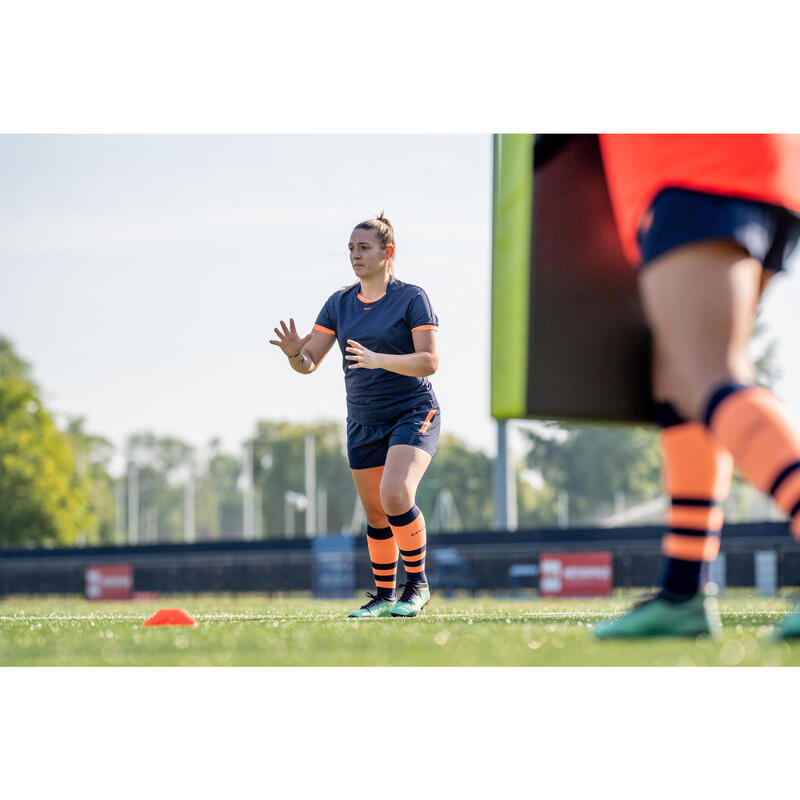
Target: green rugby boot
(789, 628)
(660, 616)
(414, 598)
(374, 607)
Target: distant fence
(275, 566)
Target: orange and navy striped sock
(697, 476)
(383, 555)
(753, 425)
(409, 531)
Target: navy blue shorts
(680, 216)
(367, 445)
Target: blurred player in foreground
(708, 220)
(387, 333)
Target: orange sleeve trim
(425, 328)
(324, 330)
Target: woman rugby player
(387, 332)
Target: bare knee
(396, 497)
(690, 384)
(376, 516)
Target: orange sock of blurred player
(696, 473)
(753, 425)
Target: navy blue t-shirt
(383, 325)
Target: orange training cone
(170, 616)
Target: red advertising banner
(575, 574)
(109, 582)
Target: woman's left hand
(362, 358)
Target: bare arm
(422, 362)
(305, 354)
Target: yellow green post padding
(511, 248)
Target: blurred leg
(699, 301)
(697, 473)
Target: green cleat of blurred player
(376, 606)
(414, 598)
(789, 628)
(662, 615)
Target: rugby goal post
(569, 340)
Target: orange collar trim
(373, 300)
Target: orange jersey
(763, 167)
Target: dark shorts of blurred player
(755, 172)
(679, 217)
(367, 445)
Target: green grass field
(298, 631)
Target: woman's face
(367, 256)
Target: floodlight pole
(322, 511)
(292, 501)
(189, 532)
(120, 532)
(133, 502)
(311, 485)
(505, 484)
(248, 511)
(288, 518)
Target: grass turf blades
(297, 631)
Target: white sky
(142, 275)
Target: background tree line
(57, 486)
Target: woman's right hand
(289, 340)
